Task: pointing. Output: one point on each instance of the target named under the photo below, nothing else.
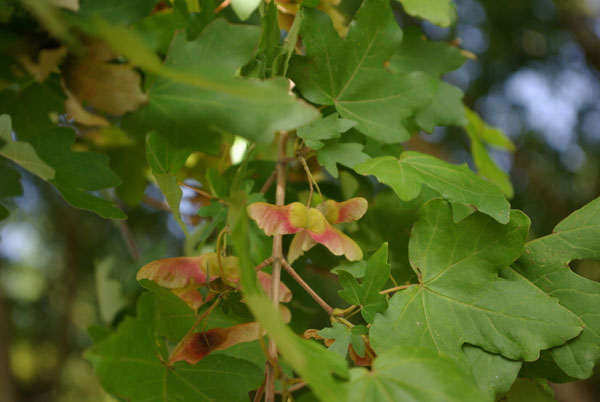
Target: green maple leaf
(413, 375)
(445, 109)
(480, 133)
(366, 293)
(165, 160)
(77, 173)
(350, 73)
(268, 48)
(324, 129)
(129, 163)
(456, 183)
(494, 374)
(545, 263)
(344, 337)
(31, 106)
(21, 152)
(440, 12)
(199, 95)
(74, 174)
(462, 298)
(415, 54)
(355, 268)
(131, 362)
(173, 317)
(193, 20)
(344, 153)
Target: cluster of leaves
(97, 95)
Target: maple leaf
(350, 74)
(464, 295)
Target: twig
(265, 350)
(153, 202)
(395, 288)
(290, 270)
(277, 254)
(196, 190)
(263, 264)
(222, 6)
(269, 181)
(259, 392)
(128, 237)
(295, 387)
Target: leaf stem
(340, 312)
(201, 192)
(259, 392)
(395, 289)
(311, 180)
(290, 270)
(344, 321)
(222, 233)
(353, 313)
(263, 264)
(273, 363)
(269, 181)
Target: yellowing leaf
(109, 87)
(48, 60)
(77, 112)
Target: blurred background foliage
(534, 73)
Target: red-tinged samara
(184, 275)
(311, 225)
